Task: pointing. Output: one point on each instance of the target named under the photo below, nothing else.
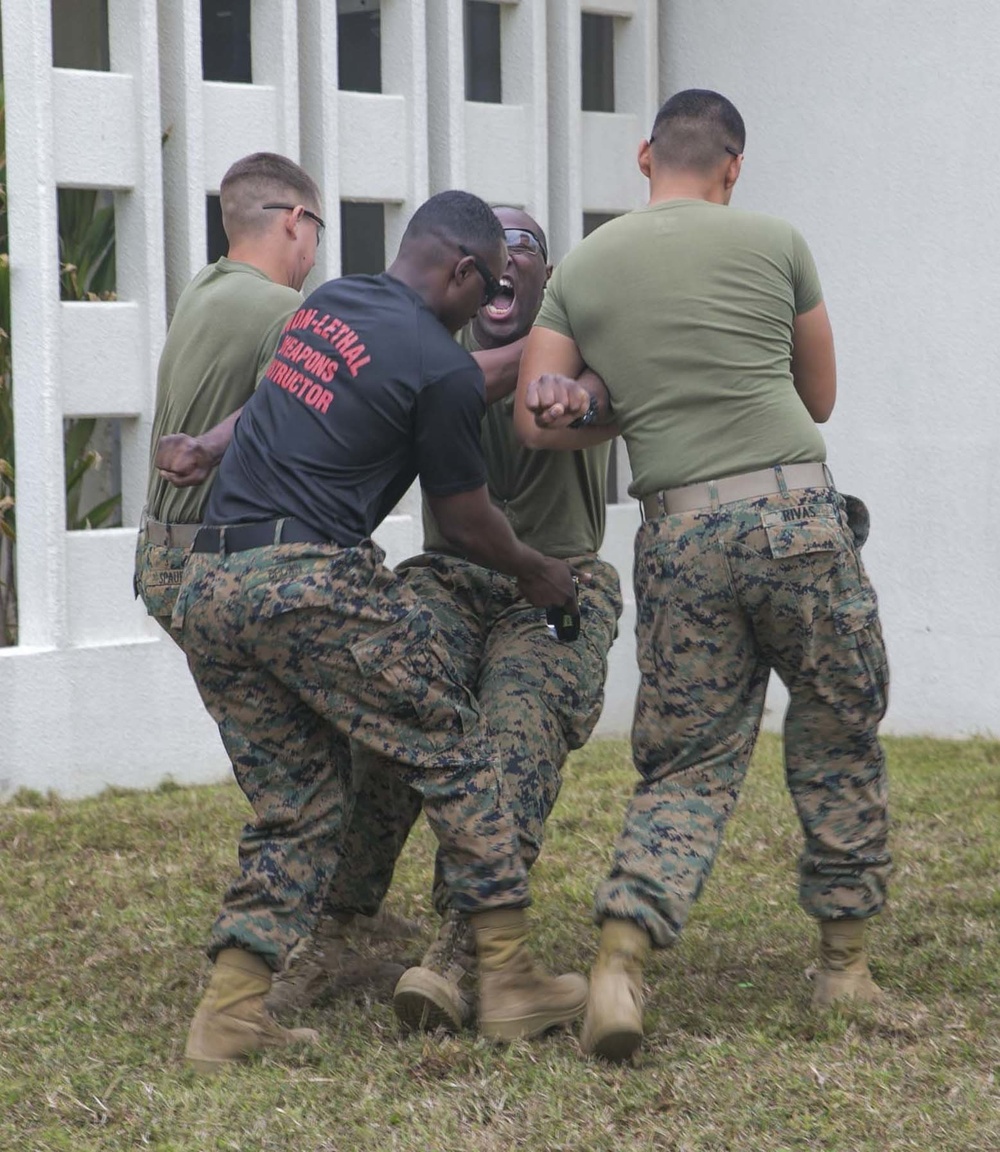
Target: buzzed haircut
(262, 178)
(459, 217)
(695, 129)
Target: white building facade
(856, 132)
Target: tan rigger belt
(171, 535)
(743, 486)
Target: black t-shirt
(366, 391)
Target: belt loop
(222, 541)
(713, 495)
(779, 475)
(829, 477)
(279, 528)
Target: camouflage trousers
(159, 570)
(722, 597)
(298, 651)
(540, 697)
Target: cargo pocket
(158, 578)
(406, 668)
(857, 624)
(297, 576)
(800, 531)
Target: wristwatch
(588, 417)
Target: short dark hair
(256, 179)
(695, 128)
(457, 216)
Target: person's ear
(463, 270)
(733, 169)
(644, 158)
(548, 272)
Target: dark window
(593, 220)
(225, 40)
(598, 63)
(217, 244)
(482, 51)
(359, 45)
(80, 35)
(362, 238)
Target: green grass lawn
(105, 904)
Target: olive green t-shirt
(555, 501)
(221, 339)
(686, 309)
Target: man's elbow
(528, 433)
(460, 534)
(532, 438)
(819, 400)
(822, 414)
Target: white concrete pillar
(498, 151)
(35, 314)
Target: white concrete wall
(870, 126)
(92, 696)
(857, 133)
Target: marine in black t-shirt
(366, 391)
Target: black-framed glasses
(317, 220)
(491, 285)
(524, 240)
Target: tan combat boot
(517, 998)
(843, 972)
(325, 964)
(612, 1027)
(441, 992)
(231, 1020)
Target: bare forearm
(488, 539)
(476, 528)
(216, 440)
(559, 414)
(814, 364)
(500, 367)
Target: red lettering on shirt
(297, 384)
(339, 335)
(302, 319)
(355, 361)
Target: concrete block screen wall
(93, 694)
(539, 103)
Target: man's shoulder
(760, 224)
(241, 286)
(443, 352)
(446, 354)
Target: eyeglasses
(491, 285)
(524, 240)
(317, 220)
